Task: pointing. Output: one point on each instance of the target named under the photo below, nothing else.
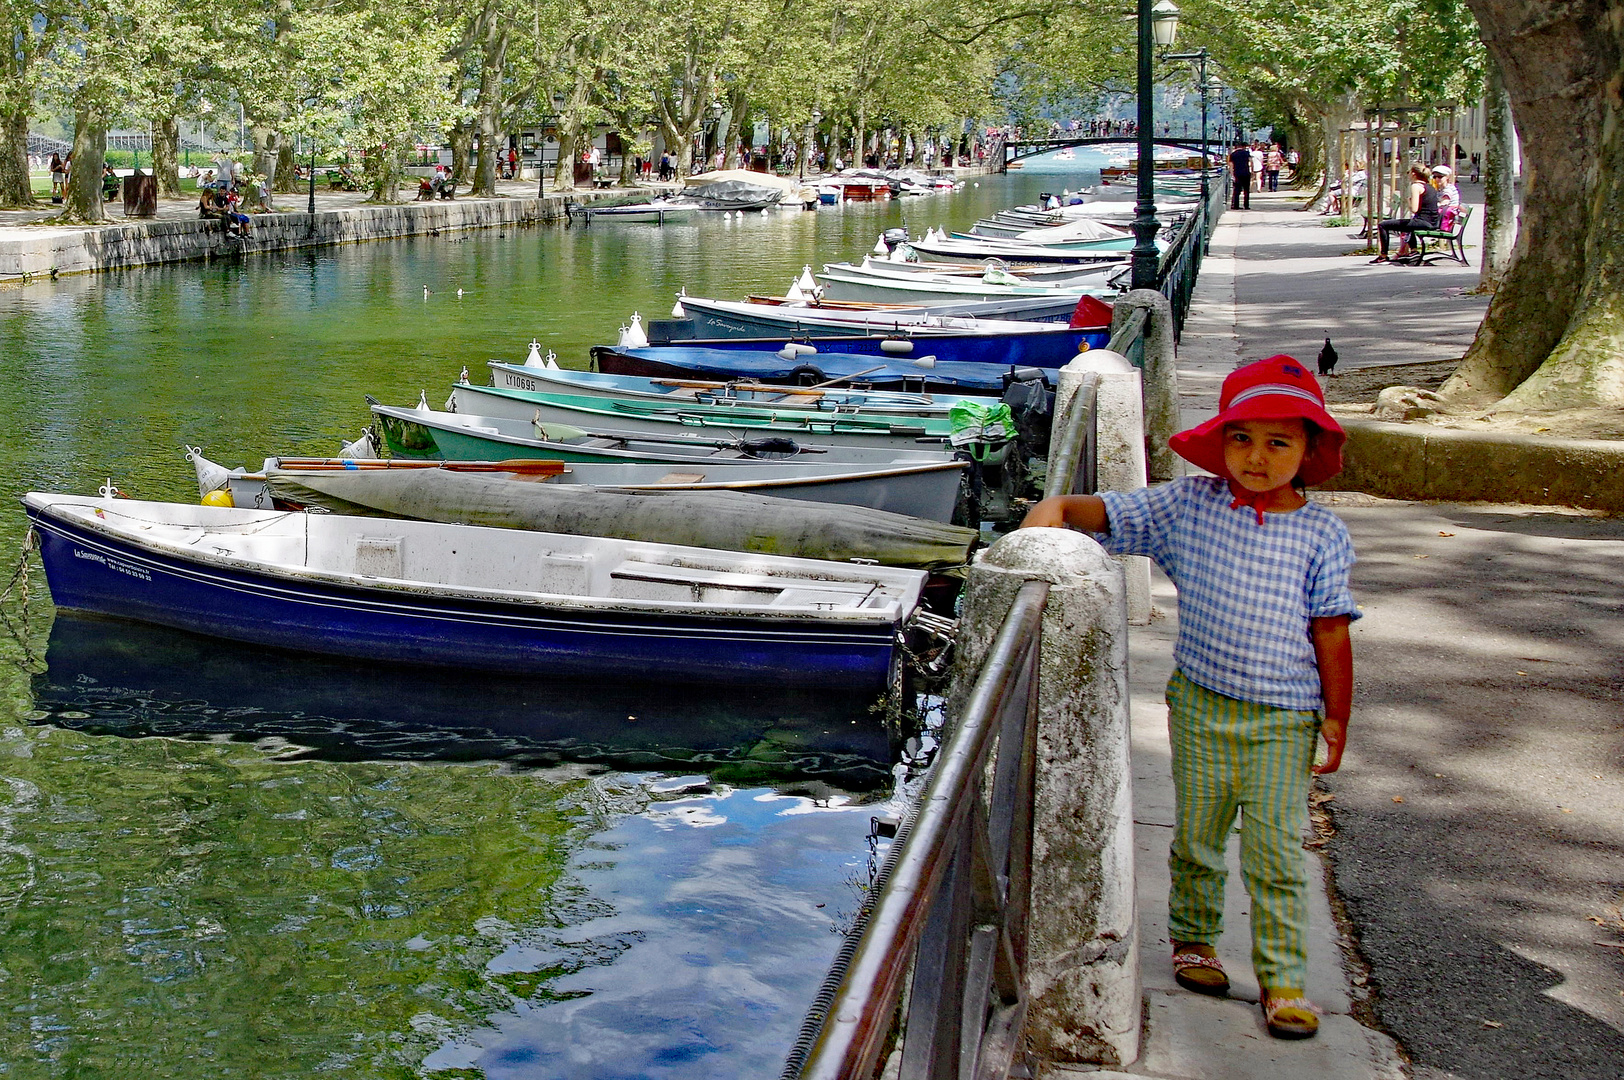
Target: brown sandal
(1200, 974)
(1290, 1018)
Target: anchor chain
(17, 595)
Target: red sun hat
(1278, 388)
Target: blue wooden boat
(462, 596)
(1052, 347)
(739, 318)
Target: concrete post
(1083, 952)
(1119, 447)
(1161, 378)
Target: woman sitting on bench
(1423, 206)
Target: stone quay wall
(49, 251)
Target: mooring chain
(18, 592)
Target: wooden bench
(1432, 245)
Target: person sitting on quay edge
(1423, 207)
(1240, 172)
(110, 184)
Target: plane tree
(1553, 337)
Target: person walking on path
(1263, 663)
(1272, 160)
(1240, 169)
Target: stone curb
(1403, 461)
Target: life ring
(808, 375)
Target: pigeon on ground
(1327, 358)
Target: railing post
(1119, 448)
(1161, 384)
(1082, 944)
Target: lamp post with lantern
(1157, 25)
(1199, 58)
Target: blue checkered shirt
(1246, 592)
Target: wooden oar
(526, 466)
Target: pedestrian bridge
(1017, 149)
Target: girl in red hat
(1262, 663)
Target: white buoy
(211, 477)
(425, 292)
(794, 294)
(463, 378)
(551, 363)
(423, 401)
(807, 282)
(459, 294)
(632, 336)
(360, 448)
(678, 311)
(880, 248)
(534, 359)
(922, 362)
(896, 346)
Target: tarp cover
(735, 193)
(730, 520)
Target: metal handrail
(1076, 468)
(953, 874)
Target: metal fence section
(951, 901)
(1181, 262)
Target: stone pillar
(1082, 952)
(1119, 448)
(1161, 378)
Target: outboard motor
(1031, 401)
(892, 237)
(986, 435)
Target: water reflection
(114, 678)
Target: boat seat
(790, 593)
(568, 573)
(379, 556)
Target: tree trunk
(16, 189)
(287, 169)
(264, 141)
(1554, 333)
(461, 137)
(84, 196)
(564, 167)
(383, 170)
(1499, 181)
(492, 62)
(485, 163)
(166, 156)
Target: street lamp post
(1157, 25)
(1199, 58)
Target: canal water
(219, 861)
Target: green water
(215, 862)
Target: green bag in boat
(979, 426)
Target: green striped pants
(1228, 756)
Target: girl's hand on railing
(1085, 512)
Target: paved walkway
(1479, 852)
